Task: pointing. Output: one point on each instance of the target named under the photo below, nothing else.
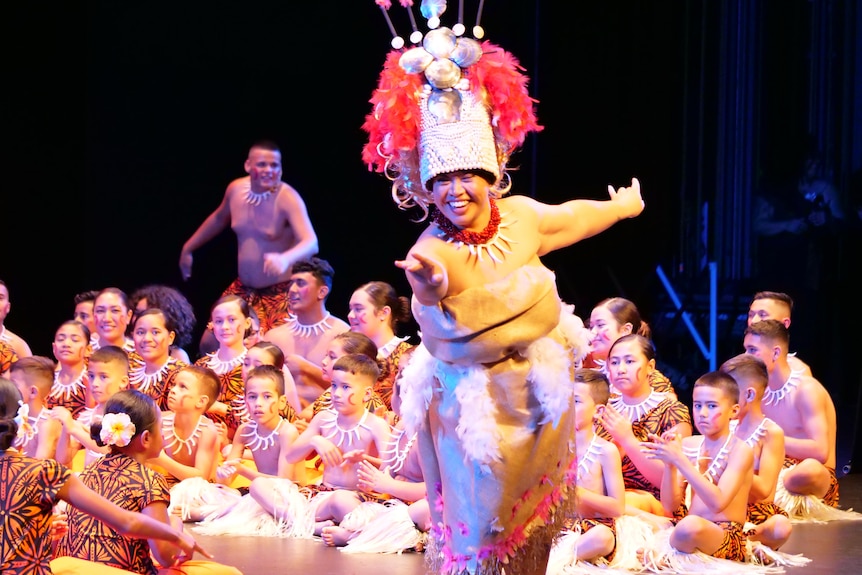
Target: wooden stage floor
(834, 547)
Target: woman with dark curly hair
(178, 309)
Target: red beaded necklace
(456, 234)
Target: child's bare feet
(336, 535)
(320, 525)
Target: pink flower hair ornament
(117, 429)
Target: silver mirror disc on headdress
(439, 42)
(415, 60)
(443, 74)
(466, 52)
(445, 106)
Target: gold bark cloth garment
(494, 426)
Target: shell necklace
(774, 396)
(713, 472)
(490, 240)
(635, 412)
(394, 457)
(67, 391)
(253, 198)
(254, 441)
(387, 348)
(303, 330)
(223, 367)
(330, 428)
(585, 460)
(142, 381)
(169, 430)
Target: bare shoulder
(811, 388)
(279, 335)
(287, 195)
(524, 208)
(741, 451)
(287, 432)
(772, 429)
(339, 325)
(236, 186)
(208, 430)
(607, 449)
(378, 424)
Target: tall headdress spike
(459, 28)
(416, 35)
(478, 31)
(397, 41)
(431, 10)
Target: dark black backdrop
(129, 121)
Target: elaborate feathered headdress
(451, 103)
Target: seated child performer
(342, 436)
(720, 478)
(634, 412)
(131, 429)
(600, 489)
(267, 436)
(341, 345)
(266, 353)
(31, 489)
(191, 440)
(229, 321)
(38, 432)
(107, 373)
(772, 526)
(152, 368)
(72, 349)
(401, 523)
(266, 433)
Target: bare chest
(265, 220)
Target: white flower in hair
(117, 429)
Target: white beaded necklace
(142, 381)
(635, 412)
(303, 330)
(169, 430)
(65, 391)
(223, 367)
(253, 198)
(255, 441)
(774, 396)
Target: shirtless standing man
(273, 231)
(306, 335)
